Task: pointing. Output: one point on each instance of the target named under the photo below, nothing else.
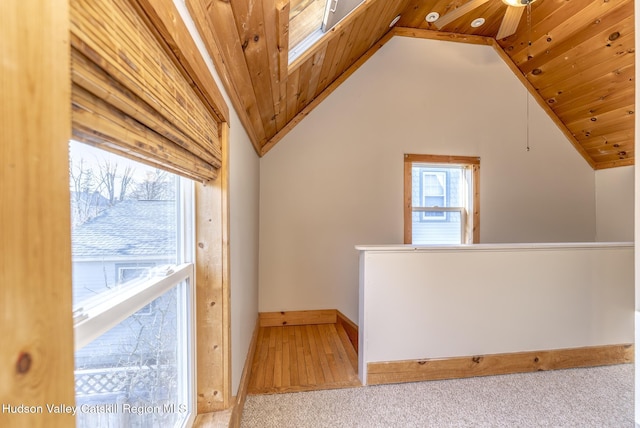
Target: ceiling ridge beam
(420, 33)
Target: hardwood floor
(303, 358)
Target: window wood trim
(213, 316)
(212, 256)
(472, 161)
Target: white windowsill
(494, 247)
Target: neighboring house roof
(129, 228)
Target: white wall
(244, 187)
(336, 180)
(615, 204)
(532, 297)
(244, 177)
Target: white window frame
(94, 321)
(437, 209)
(97, 320)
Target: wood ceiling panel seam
(332, 48)
(610, 101)
(369, 31)
(618, 137)
(557, 22)
(282, 15)
(316, 69)
(344, 38)
(271, 33)
(303, 84)
(354, 33)
(608, 150)
(588, 135)
(572, 32)
(565, 77)
(292, 96)
(618, 115)
(605, 64)
(381, 27)
(256, 56)
(414, 13)
(599, 132)
(595, 36)
(606, 146)
(624, 74)
(615, 155)
(225, 57)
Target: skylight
(310, 19)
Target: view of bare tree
(155, 186)
(86, 192)
(94, 189)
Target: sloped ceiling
(576, 57)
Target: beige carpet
(596, 397)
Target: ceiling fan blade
(457, 13)
(510, 22)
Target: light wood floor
(303, 358)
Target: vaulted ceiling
(576, 57)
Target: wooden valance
(129, 97)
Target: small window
(441, 199)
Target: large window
(441, 203)
(133, 281)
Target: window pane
(124, 222)
(133, 375)
(445, 231)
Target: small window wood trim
(470, 161)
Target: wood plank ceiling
(575, 56)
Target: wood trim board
(36, 355)
(380, 373)
(236, 415)
(276, 319)
(350, 328)
(212, 290)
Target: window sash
(91, 323)
(461, 210)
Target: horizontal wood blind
(130, 98)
